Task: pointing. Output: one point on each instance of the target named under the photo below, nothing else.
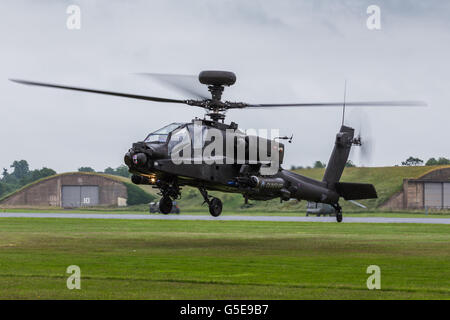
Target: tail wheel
(339, 216)
(165, 205)
(338, 209)
(215, 207)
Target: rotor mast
(216, 109)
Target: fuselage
(153, 161)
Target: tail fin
(339, 156)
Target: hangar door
(447, 195)
(79, 196)
(433, 195)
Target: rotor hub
(216, 92)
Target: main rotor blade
(111, 93)
(347, 104)
(188, 84)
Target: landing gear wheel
(215, 207)
(165, 205)
(338, 210)
(339, 216)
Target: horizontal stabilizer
(356, 191)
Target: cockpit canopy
(160, 136)
(200, 135)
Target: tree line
(20, 176)
(411, 161)
(121, 170)
(320, 164)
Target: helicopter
(173, 156)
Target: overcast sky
(281, 51)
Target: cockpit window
(179, 137)
(160, 136)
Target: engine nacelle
(267, 183)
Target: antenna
(343, 106)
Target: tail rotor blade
(356, 203)
(360, 122)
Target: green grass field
(143, 209)
(126, 259)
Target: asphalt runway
(221, 218)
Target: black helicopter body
(151, 162)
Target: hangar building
(70, 190)
(431, 190)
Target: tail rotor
(363, 138)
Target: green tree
(21, 176)
(86, 169)
(2, 189)
(38, 174)
(46, 172)
(21, 169)
(8, 178)
(109, 170)
(438, 162)
(431, 162)
(443, 161)
(5, 173)
(319, 164)
(123, 171)
(6, 188)
(411, 161)
(350, 164)
(119, 171)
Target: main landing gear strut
(214, 204)
(338, 209)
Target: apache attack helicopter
(151, 161)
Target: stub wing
(356, 191)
